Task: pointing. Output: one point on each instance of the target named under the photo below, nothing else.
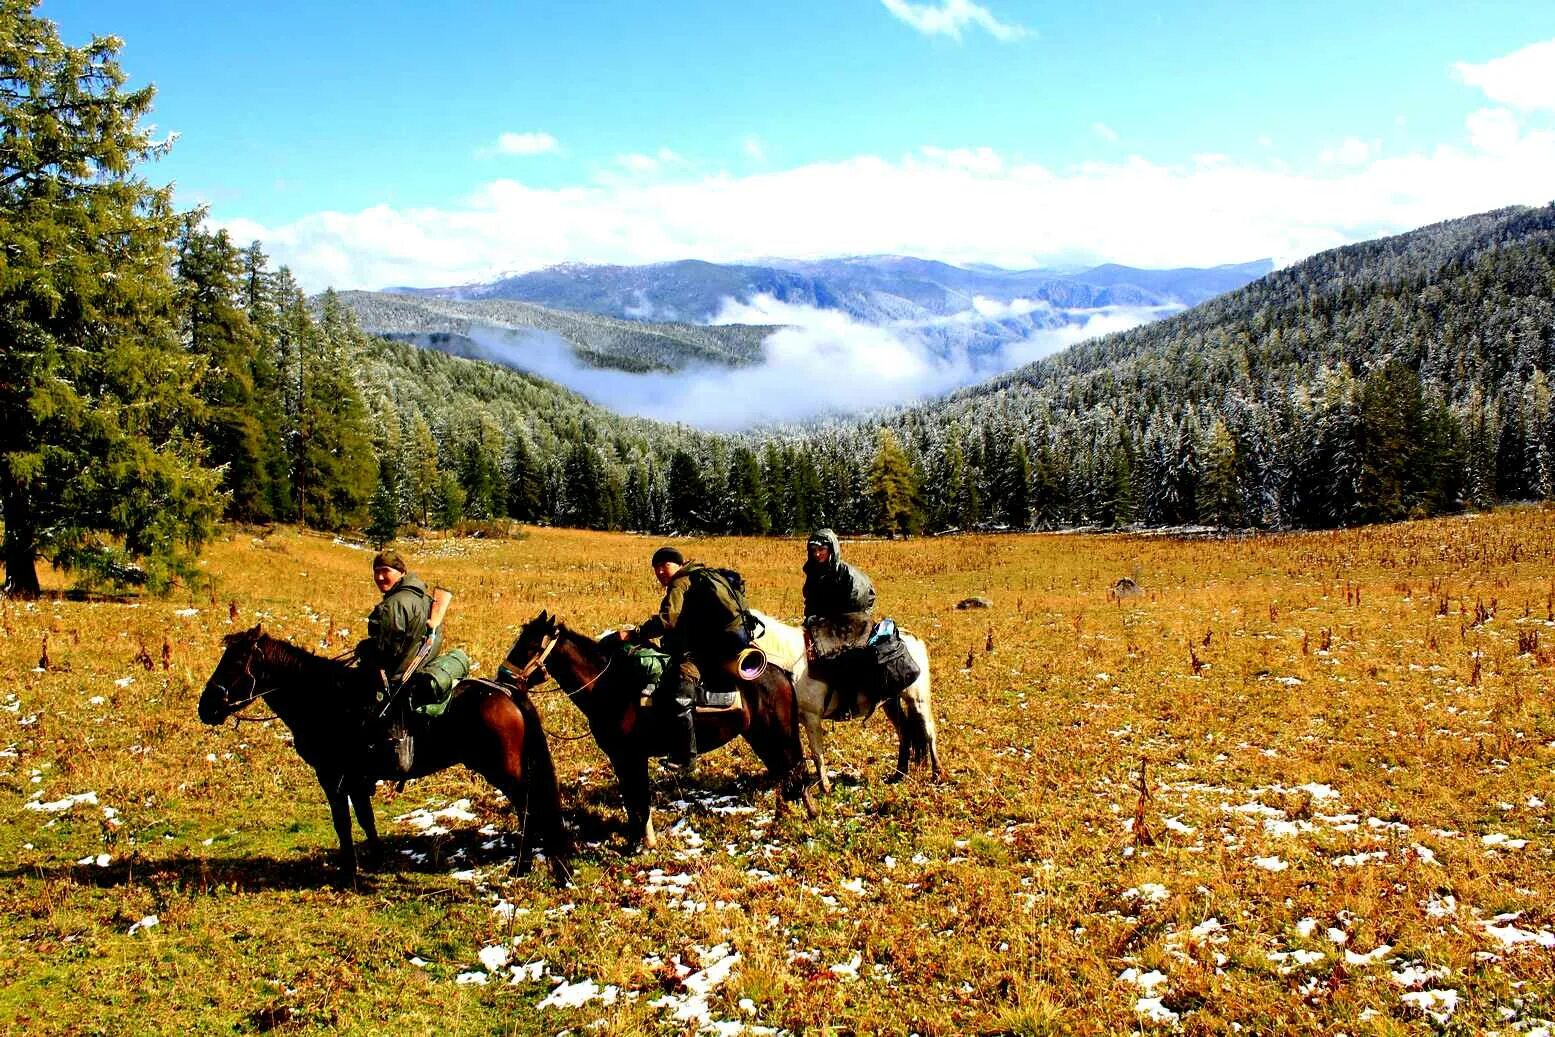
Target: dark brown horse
(492, 730)
(630, 734)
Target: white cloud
(949, 17)
(959, 205)
(1105, 132)
(524, 144)
(819, 363)
(995, 309)
(1352, 151)
(644, 165)
(1524, 79)
(754, 149)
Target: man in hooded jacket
(839, 600)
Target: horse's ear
(257, 632)
(544, 617)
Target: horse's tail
(541, 790)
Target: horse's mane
(281, 654)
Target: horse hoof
(894, 777)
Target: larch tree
(893, 489)
(101, 468)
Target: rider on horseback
(839, 600)
(402, 636)
(701, 625)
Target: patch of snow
(88, 799)
(1151, 1010)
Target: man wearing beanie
(700, 621)
(396, 629)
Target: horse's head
(525, 662)
(234, 684)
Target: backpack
(734, 586)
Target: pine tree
(1220, 499)
(383, 515)
(100, 468)
(748, 495)
(895, 507)
(525, 482)
(687, 493)
(242, 424)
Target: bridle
(256, 693)
(537, 664)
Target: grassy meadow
(1298, 784)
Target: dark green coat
(397, 625)
(698, 615)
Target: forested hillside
(1398, 377)
(602, 341)
(1408, 375)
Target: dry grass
(1406, 669)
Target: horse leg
(816, 736)
(362, 802)
(340, 814)
(893, 710)
(632, 773)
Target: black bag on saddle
(868, 673)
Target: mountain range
(871, 289)
(669, 316)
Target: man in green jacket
(701, 626)
(397, 627)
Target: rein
(538, 661)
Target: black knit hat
(388, 560)
(667, 554)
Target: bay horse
(911, 712)
(630, 733)
(328, 704)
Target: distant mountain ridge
(638, 346)
(872, 289)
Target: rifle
(441, 599)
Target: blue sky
(363, 144)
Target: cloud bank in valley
(819, 363)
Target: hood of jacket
(829, 539)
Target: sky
(407, 144)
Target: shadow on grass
(594, 814)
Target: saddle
(709, 700)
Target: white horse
(911, 711)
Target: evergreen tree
(1220, 499)
(480, 471)
(747, 493)
(687, 494)
(383, 515)
(242, 425)
(525, 482)
(100, 470)
(893, 489)
(584, 503)
(1391, 408)
(448, 509)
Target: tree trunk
(21, 549)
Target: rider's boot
(685, 728)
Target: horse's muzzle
(213, 704)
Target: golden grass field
(1346, 740)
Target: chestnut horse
(630, 733)
(328, 704)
